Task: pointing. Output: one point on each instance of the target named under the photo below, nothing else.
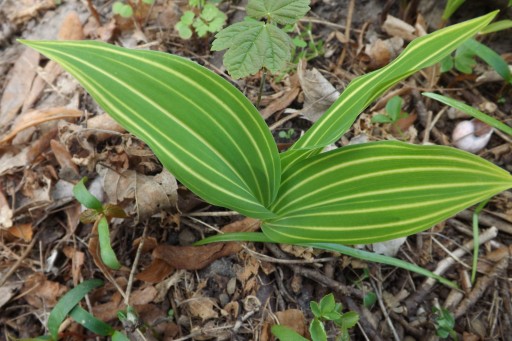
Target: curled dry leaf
(22, 231)
(152, 194)
(68, 169)
(398, 28)
(294, 319)
(36, 117)
(318, 92)
(39, 292)
(18, 86)
(5, 212)
(166, 258)
(381, 52)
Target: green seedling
(287, 134)
(444, 323)
(99, 214)
(203, 19)
(325, 310)
(68, 305)
(464, 60)
(126, 10)
(258, 42)
(215, 142)
(393, 111)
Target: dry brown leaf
(398, 28)
(104, 123)
(381, 52)
(166, 258)
(156, 271)
(280, 103)
(22, 231)
(68, 169)
(11, 161)
(39, 292)
(22, 11)
(36, 117)
(77, 261)
(294, 319)
(7, 292)
(5, 211)
(152, 194)
(319, 94)
(18, 86)
(202, 307)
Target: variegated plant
(215, 142)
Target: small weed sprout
(203, 18)
(324, 311)
(393, 111)
(444, 322)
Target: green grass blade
(67, 303)
(376, 258)
(256, 237)
(451, 7)
(90, 322)
(420, 53)
(471, 111)
(205, 131)
(497, 26)
(379, 191)
(476, 238)
(108, 256)
(490, 57)
(85, 198)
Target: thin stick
(262, 85)
(212, 214)
(134, 266)
(18, 262)
(382, 306)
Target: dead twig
(415, 299)
(317, 276)
(481, 285)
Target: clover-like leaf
(251, 46)
(210, 20)
(279, 11)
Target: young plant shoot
(213, 140)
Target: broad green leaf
(315, 309)
(85, 198)
(378, 191)
(253, 45)
(203, 130)
(420, 53)
(464, 60)
(67, 303)
(90, 322)
(108, 255)
(317, 330)
(286, 334)
(490, 57)
(471, 111)
(279, 11)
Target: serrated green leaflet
(252, 46)
(201, 128)
(279, 11)
(420, 53)
(378, 191)
(67, 303)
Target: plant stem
(262, 85)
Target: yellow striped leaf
(378, 191)
(420, 53)
(205, 131)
